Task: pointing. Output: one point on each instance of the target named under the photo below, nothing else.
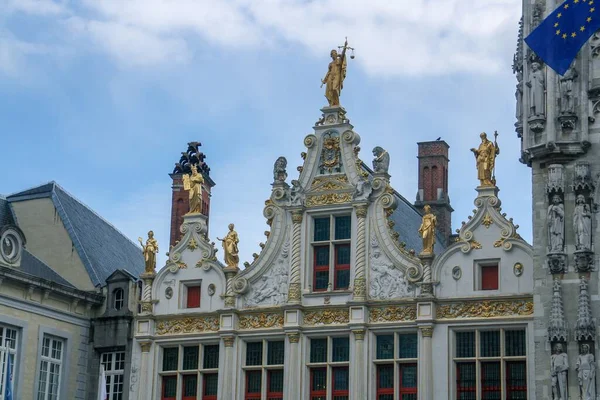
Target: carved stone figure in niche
(386, 281)
(537, 88)
(582, 224)
(150, 250)
(567, 103)
(279, 172)
(427, 230)
(331, 154)
(586, 374)
(485, 156)
(381, 162)
(193, 184)
(556, 225)
(296, 193)
(230, 247)
(519, 96)
(559, 368)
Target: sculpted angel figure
(230, 247)
(193, 184)
(485, 157)
(556, 225)
(149, 250)
(559, 367)
(586, 373)
(582, 224)
(334, 79)
(427, 230)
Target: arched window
(118, 298)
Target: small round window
(119, 299)
(10, 246)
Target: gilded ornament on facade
(475, 244)
(485, 309)
(359, 334)
(427, 230)
(328, 199)
(146, 306)
(487, 220)
(294, 337)
(427, 331)
(187, 325)
(145, 346)
(319, 180)
(336, 73)
(228, 341)
(230, 247)
(150, 249)
(193, 184)
(393, 313)
(261, 321)
(485, 156)
(192, 244)
(327, 317)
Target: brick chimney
(180, 201)
(433, 184)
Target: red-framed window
(321, 268)
(210, 386)
(253, 385)
(318, 383)
(466, 381)
(275, 384)
(340, 382)
(193, 296)
(189, 387)
(516, 380)
(169, 387)
(491, 382)
(341, 267)
(385, 382)
(408, 381)
(489, 277)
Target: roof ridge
(52, 182)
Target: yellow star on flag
(564, 36)
(558, 31)
(589, 19)
(556, 25)
(582, 28)
(559, 15)
(566, 6)
(573, 34)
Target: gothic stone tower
(433, 183)
(559, 129)
(179, 200)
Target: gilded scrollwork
(261, 321)
(187, 325)
(485, 309)
(393, 313)
(327, 317)
(328, 199)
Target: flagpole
(495, 150)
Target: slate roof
(408, 220)
(36, 267)
(100, 246)
(6, 217)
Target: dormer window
(331, 252)
(118, 299)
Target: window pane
(211, 356)
(342, 254)
(275, 381)
(169, 386)
(318, 350)
(321, 280)
(190, 385)
(341, 349)
(515, 343)
(465, 344)
(253, 380)
(465, 381)
(408, 345)
(321, 256)
(193, 297)
(385, 376)
(516, 380)
(254, 353)
(490, 343)
(276, 352)
(490, 381)
(342, 279)
(385, 347)
(318, 379)
(342, 227)
(321, 229)
(170, 358)
(408, 376)
(489, 277)
(190, 357)
(340, 378)
(211, 384)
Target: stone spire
(585, 329)
(557, 327)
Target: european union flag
(559, 37)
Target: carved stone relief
(556, 225)
(586, 373)
(331, 155)
(386, 281)
(559, 369)
(272, 287)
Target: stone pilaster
(426, 363)
(358, 379)
(230, 273)
(229, 369)
(427, 283)
(146, 303)
(294, 289)
(294, 367)
(360, 284)
(146, 370)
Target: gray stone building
(66, 297)
(559, 129)
(342, 303)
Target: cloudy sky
(102, 96)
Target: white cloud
(36, 7)
(14, 54)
